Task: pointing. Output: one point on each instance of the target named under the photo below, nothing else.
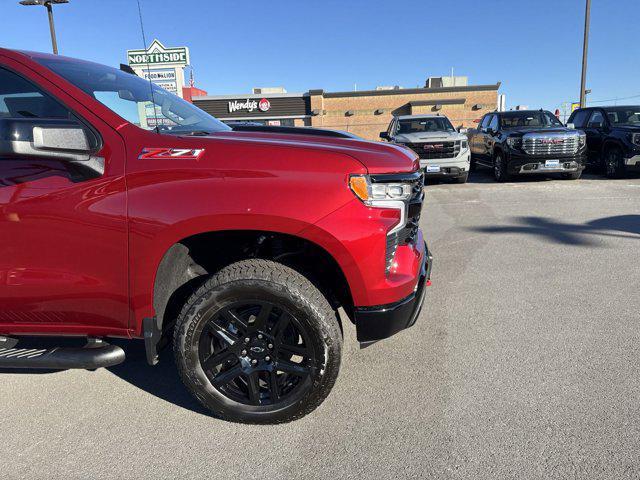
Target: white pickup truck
(443, 151)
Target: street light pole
(585, 47)
(52, 29)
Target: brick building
(365, 113)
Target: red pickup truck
(127, 212)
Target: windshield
(136, 100)
(528, 119)
(427, 124)
(624, 115)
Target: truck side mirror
(60, 139)
(55, 139)
(384, 135)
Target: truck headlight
(393, 195)
(582, 140)
(401, 192)
(514, 142)
(372, 193)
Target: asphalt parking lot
(523, 364)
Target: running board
(95, 354)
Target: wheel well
(188, 263)
(610, 143)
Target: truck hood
(420, 137)
(518, 131)
(376, 157)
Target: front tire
(258, 343)
(614, 163)
(500, 171)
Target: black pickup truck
(526, 142)
(613, 137)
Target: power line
(614, 99)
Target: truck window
(525, 118)
(136, 100)
(580, 118)
(392, 128)
(485, 122)
(20, 98)
(426, 124)
(596, 120)
(624, 115)
(493, 125)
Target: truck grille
(433, 150)
(550, 145)
(409, 233)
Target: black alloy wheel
(257, 353)
(614, 163)
(258, 343)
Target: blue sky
(532, 46)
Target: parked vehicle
(443, 151)
(128, 212)
(256, 127)
(526, 142)
(613, 137)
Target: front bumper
(632, 163)
(382, 321)
(523, 164)
(449, 167)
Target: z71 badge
(171, 153)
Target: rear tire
(614, 163)
(258, 343)
(500, 171)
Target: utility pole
(585, 48)
(48, 5)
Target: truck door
(490, 138)
(63, 226)
(474, 138)
(481, 139)
(595, 131)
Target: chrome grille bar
(550, 145)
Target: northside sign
(158, 54)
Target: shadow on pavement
(161, 380)
(569, 233)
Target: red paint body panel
(64, 262)
(82, 258)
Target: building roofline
(240, 96)
(405, 91)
